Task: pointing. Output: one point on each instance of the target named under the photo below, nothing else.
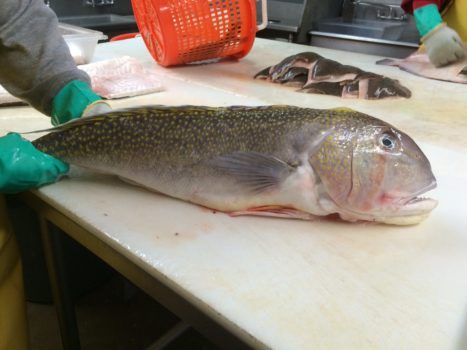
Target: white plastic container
(81, 41)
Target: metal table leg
(172, 334)
(59, 285)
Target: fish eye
(388, 141)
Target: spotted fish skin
(188, 132)
(165, 136)
(232, 158)
(175, 143)
(315, 74)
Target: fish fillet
(122, 77)
(419, 64)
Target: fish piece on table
(295, 76)
(373, 86)
(122, 77)
(280, 161)
(313, 73)
(324, 88)
(419, 64)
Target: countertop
(289, 284)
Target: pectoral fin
(256, 171)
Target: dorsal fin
(92, 119)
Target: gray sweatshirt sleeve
(35, 62)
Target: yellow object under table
(13, 325)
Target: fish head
(378, 175)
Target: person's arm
(410, 5)
(36, 66)
(443, 44)
(35, 62)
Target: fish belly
(300, 191)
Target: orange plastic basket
(183, 31)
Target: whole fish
(271, 160)
(419, 64)
(315, 74)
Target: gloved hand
(442, 43)
(74, 100)
(22, 166)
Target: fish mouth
(400, 210)
(414, 198)
(411, 209)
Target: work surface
(290, 284)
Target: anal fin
(274, 211)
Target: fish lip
(415, 210)
(412, 206)
(414, 197)
(403, 200)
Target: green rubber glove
(427, 18)
(22, 166)
(71, 101)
